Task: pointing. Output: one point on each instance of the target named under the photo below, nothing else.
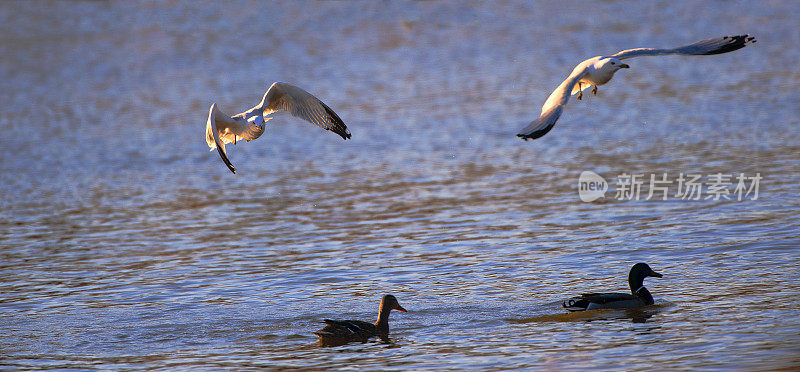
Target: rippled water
(125, 243)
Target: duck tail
(574, 305)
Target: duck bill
(624, 66)
(400, 308)
(655, 274)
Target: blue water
(126, 244)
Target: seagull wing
(716, 45)
(217, 122)
(553, 106)
(303, 105)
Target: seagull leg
(234, 139)
(580, 91)
(594, 90)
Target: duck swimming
(340, 332)
(638, 297)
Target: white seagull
(249, 125)
(599, 70)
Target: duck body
(340, 332)
(638, 297)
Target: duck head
(638, 272)
(389, 303)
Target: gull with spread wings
(599, 70)
(249, 125)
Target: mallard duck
(340, 332)
(249, 125)
(638, 297)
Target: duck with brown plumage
(340, 332)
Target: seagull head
(610, 65)
(257, 119)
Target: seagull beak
(624, 66)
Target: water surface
(125, 243)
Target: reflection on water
(124, 242)
(554, 313)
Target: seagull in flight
(599, 70)
(249, 125)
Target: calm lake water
(126, 244)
